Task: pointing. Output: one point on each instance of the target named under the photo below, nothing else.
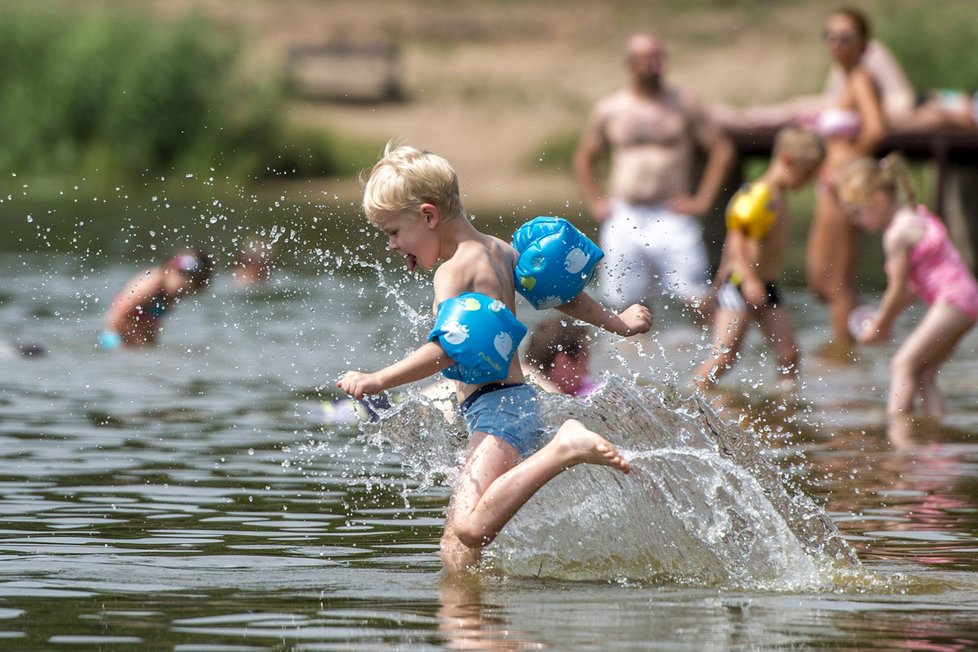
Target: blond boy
(757, 234)
(413, 197)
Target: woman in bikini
(851, 129)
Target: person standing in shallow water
(851, 128)
(920, 260)
(750, 268)
(650, 222)
(413, 197)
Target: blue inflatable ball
(555, 261)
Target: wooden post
(960, 202)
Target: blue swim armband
(555, 261)
(480, 334)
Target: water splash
(702, 505)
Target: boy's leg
(924, 350)
(776, 326)
(489, 457)
(729, 327)
(486, 499)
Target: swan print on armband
(454, 332)
(503, 343)
(576, 260)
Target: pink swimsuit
(937, 271)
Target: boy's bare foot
(578, 445)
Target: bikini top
(838, 123)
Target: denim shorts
(509, 412)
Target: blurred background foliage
(935, 43)
(119, 95)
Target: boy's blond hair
(803, 145)
(406, 177)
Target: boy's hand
(358, 384)
(637, 318)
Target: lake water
(192, 497)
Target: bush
(935, 43)
(107, 94)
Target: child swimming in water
(254, 263)
(413, 197)
(558, 357)
(137, 311)
(750, 267)
(920, 259)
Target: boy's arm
(742, 262)
(631, 321)
(424, 361)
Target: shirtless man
(650, 223)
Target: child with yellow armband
(757, 234)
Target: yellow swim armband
(751, 210)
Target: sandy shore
(490, 85)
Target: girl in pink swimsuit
(920, 259)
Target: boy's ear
(431, 214)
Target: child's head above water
(801, 150)
(193, 266)
(405, 178)
(864, 177)
(560, 349)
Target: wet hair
(195, 264)
(859, 20)
(406, 177)
(552, 336)
(802, 144)
(865, 176)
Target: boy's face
(798, 172)
(411, 234)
